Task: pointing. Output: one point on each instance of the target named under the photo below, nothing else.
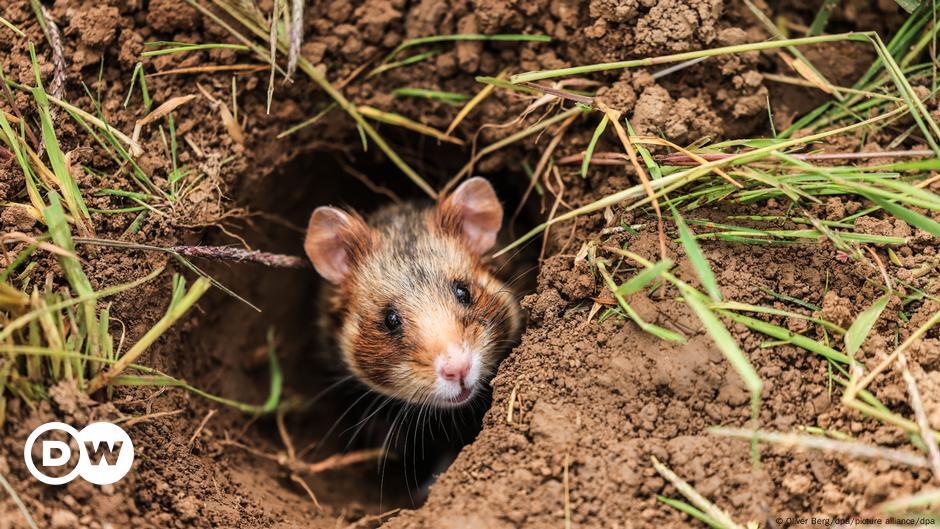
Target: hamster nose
(455, 369)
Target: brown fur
(410, 261)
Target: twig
(58, 59)
(813, 442)
(296, 37)
(542, 163)
(571, 96)
(131, 421)
(240, 255)
(512, 404)
(19, 503)
(303, 484)
(366, 181)
(273, 53)
(373, 518)
(709, 508)
(340, 460)
(554, 210)
(330, 463)
(640, 171)
(202, 425)
(212, 69)
(917, 404)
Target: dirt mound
(581, 405)
(603, 399)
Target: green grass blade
(908, 5)
(601, 127)
(447, 97)
(745, 307)
(12, 27)
(501, 83)
(780, 333)
(918, 111)
(175, 311)
(818, 25)
(725, 342)
(639, 281)
(655, 330)
(25, 319)
(67, 184)
(164, 380)
(863, 324)
(404, 62)
(59, 230)
(307, 122)
(674, 181)
(153, 377)
(13, 141)
(194, 47)
(702, 269)
(691, 511)
(791, 299)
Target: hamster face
(430, 323)
(421, 317)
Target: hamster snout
(413, 308)
(458, 371)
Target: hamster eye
(463, 294)
(392, 321)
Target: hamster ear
(474, 212)
(334, 239)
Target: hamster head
(420, 316)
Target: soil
(591, 400)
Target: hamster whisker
(336, 424)
(365, 421)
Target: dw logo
(105, 453)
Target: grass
(655, 330)
(447, 97)
(262, 34)
(414, 59)
(183, 47)
(63, 331)
(19, 502)
(54, 325)
(682, 57)
(701, 508)
(755, 170)
(401, 121)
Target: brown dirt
(602, 396)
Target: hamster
(413, 306)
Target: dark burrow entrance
(327, 414)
